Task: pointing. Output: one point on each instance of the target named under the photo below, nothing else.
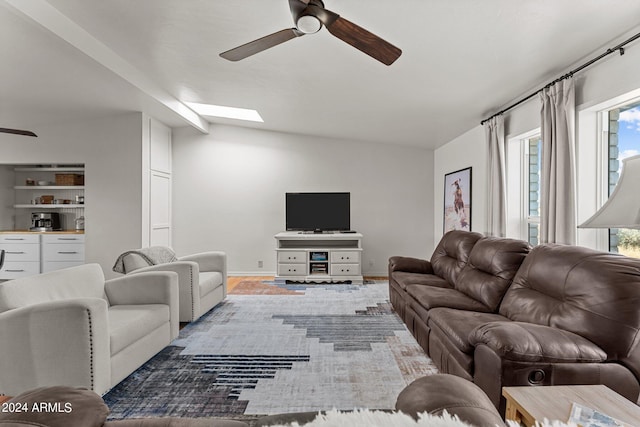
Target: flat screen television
(318, 212)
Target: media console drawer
(292, 269)
(345, 256)
(345, 269)
(292, 257)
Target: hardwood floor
(232, 281)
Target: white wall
(229, 188)
(111, 150)
(468, 150)
(603, 81)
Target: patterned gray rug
(288, 348)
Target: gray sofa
(71, 327)
(202, 279)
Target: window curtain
(557, 192)
(496, 186)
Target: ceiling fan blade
(360, 38)
(261, 44)
(18, 132)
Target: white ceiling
(462, 60)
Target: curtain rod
(618, 48)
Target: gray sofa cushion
(209, 281)
(130, 323)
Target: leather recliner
(569, 315)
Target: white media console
(319, 257)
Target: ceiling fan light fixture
(308, 24)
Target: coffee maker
(45, 221)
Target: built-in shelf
(50, 206)
(48, 187)
(50, 169)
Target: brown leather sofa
(490, 311)
(433, 394)
(64, 406)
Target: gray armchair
(202, 278)
(72, 327)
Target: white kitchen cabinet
(32, 253)
(62, 251)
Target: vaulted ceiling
(67, 60)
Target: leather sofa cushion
(458, 324)
(452, 254)
(404, 279)
(526, 342)
(129, 323)
(431, 297)
(209, 281)
(493, 262)
(409, 264)
(593, 294)
(78, 408)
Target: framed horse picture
(457, 200)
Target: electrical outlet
(260, 264)
(371, 263)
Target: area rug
(283, 348)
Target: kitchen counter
(42, 232)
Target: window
(533, 156)
(523, 186)
(623, 141)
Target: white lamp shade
(622, 209)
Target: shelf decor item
(69, 179)
(457, 200)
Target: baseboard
(252, 273)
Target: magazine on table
(584, 416)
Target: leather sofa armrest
(528, 342)
(159, 287)
(57, 342)
(436, 394)
(409, 265)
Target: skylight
(209, 110)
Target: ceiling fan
(18, 132)
(309, 16)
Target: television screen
(318, 211)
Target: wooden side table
(527, 405)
